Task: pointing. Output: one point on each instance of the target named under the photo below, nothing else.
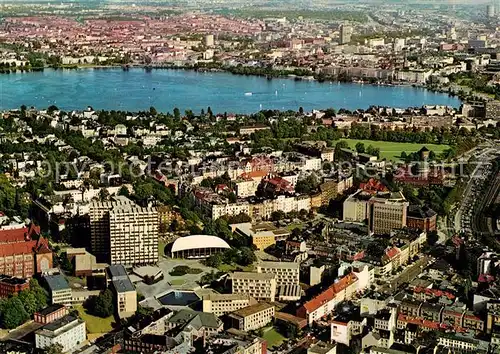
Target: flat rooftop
(253, 276)
(279, 265)
(253, 309)
(50, 309)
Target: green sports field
(392, 151)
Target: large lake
(138, 89)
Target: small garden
(179, 271)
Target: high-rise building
(99, 225)
(209, 40)
(123, 232)
(345, 34)
(490, 10)
(133, 233)
(387, 212)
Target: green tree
(214, 261)
(40, 294)
(52, 109)
(13, 313)
(177, 113)
(29, 301)
(55, 348)
(65, 263)
(124, 192)
(338, 150)
(152, 111)
(247, 256)
(277, 215)
(104, 195)
(102, 305)
(360, 147)
(432, 238)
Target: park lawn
(96, 324)
(295, 226)
(392, 150)
(272, 337)
(177, 282)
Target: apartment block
(220, 304)
(124, 290)
(252, 317)
(133, 234)
(99, 225)
(356, 206)
(260, 286)
(287, 273)
(68, 331)
(123, 232)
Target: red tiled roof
(393, 252)
(13, 235)
(421, 322)
(373, 185)
(434, 292)
(254, 174)
(329, 294)
(21, 242)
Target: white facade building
(68, 331)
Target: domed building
(198, 246)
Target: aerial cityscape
(258, 177)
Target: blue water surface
(138, 89)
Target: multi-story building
(263, 234)
(287, 278)
(166, 215)
(23, 252)
(68, 331)
(387, 212)
(133, 232)
(100, 227)
(124, 290)
(220, 304)
(330, 189)
(325, 303)
(356, 206)
(60, 292)
(124, 233)
(287, 273)
(10, 285)
(252, 317)
(245, 186)
(261, 286)
(462, 342)
(421, 218)
(248, 130)
(51, 313)
(345, 34)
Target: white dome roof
(198, 241)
